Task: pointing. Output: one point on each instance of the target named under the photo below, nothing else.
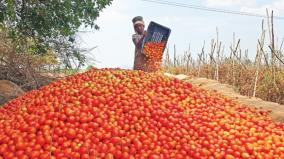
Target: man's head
(138, 24)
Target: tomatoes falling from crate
(154, 54)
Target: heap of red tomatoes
(114, 113)
(154, 54)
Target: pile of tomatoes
(154, 54)
(115, 113)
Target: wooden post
(258, 60)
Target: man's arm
(137, 40)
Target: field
(261, 77)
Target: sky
(114, 46)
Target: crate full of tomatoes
(154, 45)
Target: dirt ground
(8, 91)
(277, 110)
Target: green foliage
(49, 23)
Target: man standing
(137, 38)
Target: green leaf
(53, 22)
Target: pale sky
(188, 26)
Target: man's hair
(137, 18)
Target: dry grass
(261, 77)
(18, 65)
(242, 77)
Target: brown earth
(8, 91)
(277, 110)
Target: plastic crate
(157, 33)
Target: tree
(49, 23)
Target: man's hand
(144, 34)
